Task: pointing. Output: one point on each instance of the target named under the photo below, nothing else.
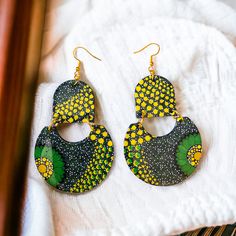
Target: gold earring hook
(77, 72)
(151, 67)
(75, 52)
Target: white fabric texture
(198, 57)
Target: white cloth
(200, 62)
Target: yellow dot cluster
(194, 155)
(135, 158)
(45, 167)
(146, 175)
(78, 108)
(100, 164)
(136, 135)
(154, 97)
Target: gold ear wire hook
(75, 52)
(151, 67)
(77, 72)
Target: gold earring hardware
(77, 72)
(151, 68)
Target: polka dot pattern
(73, 102)
(100, 164)
(163, 160)
(135, 137)
(44, 166)
(75, 167)
(154, 97)
(194, 154)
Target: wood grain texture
(21, 24)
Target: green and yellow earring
(74, 167)
(168, 159)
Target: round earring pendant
(164, 160)
(74, 167)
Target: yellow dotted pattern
(45, 167)
(78, 108)
(135, 137)
(146, 175)
(154, 97)
(100, 164)
(194, 155)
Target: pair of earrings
(77, 167)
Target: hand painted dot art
(154, 97)
(73, 102)
(74, 167)
(164, 160)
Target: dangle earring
(74, 167)
(168, 159)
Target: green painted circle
(164, 160)
(74, 167)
